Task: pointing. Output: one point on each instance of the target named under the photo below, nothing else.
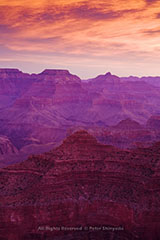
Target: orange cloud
(80, 29)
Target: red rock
(82, 183)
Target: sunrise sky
(86, 37)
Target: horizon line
(68, 70)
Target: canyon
(37, 111)
(79, 159)
(82, 184)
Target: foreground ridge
(82, 183)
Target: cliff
(82, 183)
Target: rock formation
(155, 81)
(82, 184)
(48, 105)
(6, 147)
(154, 123)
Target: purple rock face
(54, 72)
(13, 84)
(154, 123)
(10, 71)
(155, 81)
(41, 109)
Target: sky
(87, 37)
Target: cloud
(49, 14)
(158, 15)
(81, 29)
(44, 40)
(86, 12)
(151, 1)
(6, 28)
(152, 32)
